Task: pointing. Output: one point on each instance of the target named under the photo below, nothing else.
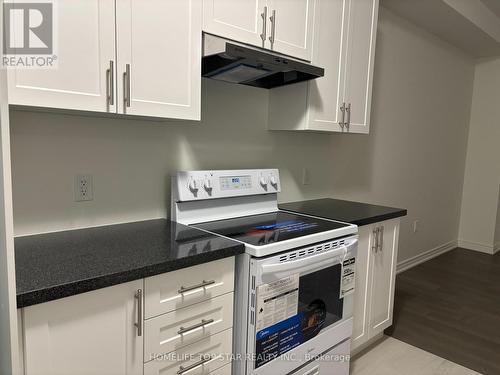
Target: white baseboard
(425, 256)
(367, 345)
(497, 248)
(476, 246)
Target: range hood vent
(236, 63)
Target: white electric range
(295, 281)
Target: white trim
(425, 256)
(476, 246)
(496, 248)
(367, 345)
(10, 361)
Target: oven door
(301, 305)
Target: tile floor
(393, 357)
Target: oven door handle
(310, 263)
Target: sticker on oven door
(278, 339)
(277, 301)
(348, 277)
(278, 325)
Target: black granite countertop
(56, 265)
(346, 211)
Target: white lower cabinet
(89, 334)
(225, 370)
(189, 320)
(183, 327)
(200, 358)
(175, 290)
(105, 332)
(375, 280)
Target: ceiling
(444, 21)
(493, 5)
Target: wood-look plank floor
(393, 357)
(450, 306)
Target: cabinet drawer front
(226, 370)
(178, 289)
(216, 348)
(198, 322)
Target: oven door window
(320, 304)
(317, 305)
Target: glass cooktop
(263, 229)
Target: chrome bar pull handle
(348, 111)
(273, 28)
(183, 370)
(126, 86)
(381, 240)
(342, 122)
(138, 297)
(375, 240)
(203, 323)
(203, 284)
(263, 36)
(111, 82)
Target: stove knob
(207, 185)
(193, 186)
(274, 181)
(263, 181)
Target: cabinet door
(88, 334)
(85, 41)
(293, 27)
(383, 277)
(239, 20)
(361, 326)
(326, 93)
(361, 35)
(159, 58)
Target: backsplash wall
(422, 93)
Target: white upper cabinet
(344, 45)
(361, 36)
(240, 20)
(159, 58)
(85, 50)
(326, 93)
(291, 27)
(124, 56)
(285, 26)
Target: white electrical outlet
(84, 189)
(416, 224)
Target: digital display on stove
(235, 182)
(267, 228)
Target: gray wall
(482, 176)
(414, 156)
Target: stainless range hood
(233, 62)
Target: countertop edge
(379, 218)
(52, 293)
(387, 213)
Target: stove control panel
(200, 185)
